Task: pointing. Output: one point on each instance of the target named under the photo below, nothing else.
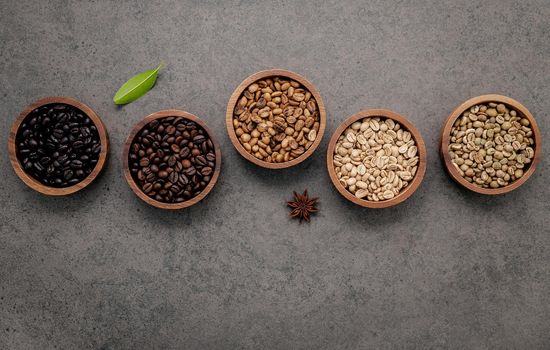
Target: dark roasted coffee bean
(147, 187)
(170, 129)
(172, 156)
(184, 153)
(190, 171)
(175, 148)
(183, 179)
(173, 177)
(200, 160)
(199, 139)
(172, 160)
(186, 163)
(144, 162)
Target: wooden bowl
(406, 125)
(233, 100)
(446, 135)
(31, 181)
(134, 186)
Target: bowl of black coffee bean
(171, 159)
(58, 145)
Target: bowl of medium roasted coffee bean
(275, 118)
(58, 145)
(171, 160)
(376, 158)
(491, 144)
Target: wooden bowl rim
(408, 126)
(446, 135)
(262, 75)
(126, 169)
(31, 181)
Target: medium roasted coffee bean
(173, 157)
(54, 140)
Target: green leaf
(136, 86)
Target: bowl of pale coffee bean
(171, 159)
(275, 118)
(376, 158)
(491, 144)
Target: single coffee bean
(144, 162)
(147, 187)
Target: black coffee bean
(50, 142)
(68, 174)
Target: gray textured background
(446, 269)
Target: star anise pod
(302, 206)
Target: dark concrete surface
(447, 269)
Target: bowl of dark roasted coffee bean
(58, 145)
(491, 144)
(171, 159)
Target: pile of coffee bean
(491, 145)
(172, 159)
(276, 119)
(376, 159)
(58, 145)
